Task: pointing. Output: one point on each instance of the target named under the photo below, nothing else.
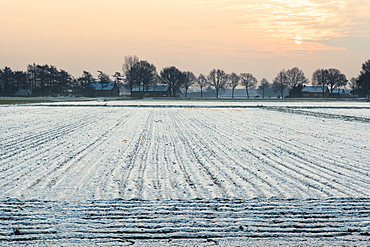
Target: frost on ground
(202, 174)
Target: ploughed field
(200, 173)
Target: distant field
(27, 100)
(203, 171)
(32, 100)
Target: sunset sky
(257, 36)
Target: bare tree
(263, 86)
(127, 71)
(143, 74)
(296, 79)
(218, 79)
(280, 83)
(202, 82)
(233, 82)
(320, 78)
(188, 82)
(174, 78)
(336, 79)
(248, 81)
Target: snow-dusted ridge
(201, 172)
(345, 220)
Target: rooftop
(97, 86)
(313, 89)
(160, 88)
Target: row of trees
(333, 78)
(41, 79)
(47, 80)
(142, 74)
(294, 79)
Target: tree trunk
(246, 89)
(232, 96)
(201, 92)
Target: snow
(196, 171)
(317, 103)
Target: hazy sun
(298, 40)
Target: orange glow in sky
(257, 36)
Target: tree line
(142, 74)
(48, 80)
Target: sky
(261, 37)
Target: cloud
(286, 19)
(314, 20)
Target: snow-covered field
(185, 173)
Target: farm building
(314, 92)
(23, 93)
(150, 91)
(340, 93)
(105, 89)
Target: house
(23, 93)
(150, 91)
(104, 89)
(340, 93)
(314, 92)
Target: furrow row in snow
(121, 219)
(183, 153)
